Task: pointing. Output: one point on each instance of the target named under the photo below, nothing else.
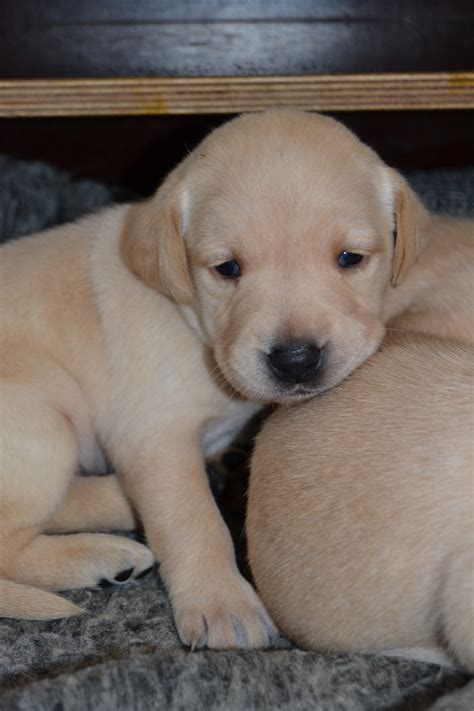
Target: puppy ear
(152, 246)
(412, 227)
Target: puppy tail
(26, 603)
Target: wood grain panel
(122, 97)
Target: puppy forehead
(286, 170)
(297, 140)
(247, 224)
(293, 177)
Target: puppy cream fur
(361, 508)
(118, 335)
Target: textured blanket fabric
(124, 653)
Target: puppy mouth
(267, 389)
(297, 394)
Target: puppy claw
(196, 643)
(124, 575)
(120, 560)
(268, 623)
(193, 631)
(239, 629)
(144, 573)
(202, 641)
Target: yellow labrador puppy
(261, 271)
(361, 508)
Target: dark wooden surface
(102, 38)
(107, 38)
(138, 152)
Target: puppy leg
(457, 607)
(213, 605)
(93, 503)
(39, 454)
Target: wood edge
(189, 95)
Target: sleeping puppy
(262, 270)
(361, 508)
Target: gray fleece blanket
(125, 654)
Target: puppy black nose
(295, 362)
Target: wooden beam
(216, 95)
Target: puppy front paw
(228, 615)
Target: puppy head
(280, 236)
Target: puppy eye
(230, 269)
(349, 259)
